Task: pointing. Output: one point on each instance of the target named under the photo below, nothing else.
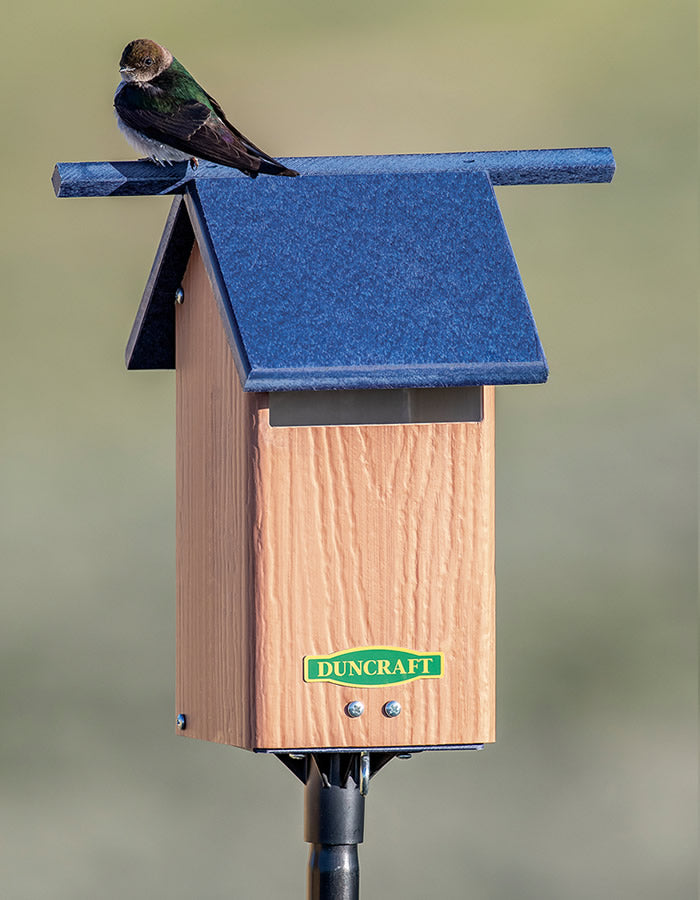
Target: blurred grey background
(589, 791)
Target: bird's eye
(148, 61)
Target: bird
(165, 114)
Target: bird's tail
(272, 167)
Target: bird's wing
(247, 143)
(192, 128)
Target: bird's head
(143, 60)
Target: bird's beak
(124, 69)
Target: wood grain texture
(375, 535)
(299, 541)
(213, 524)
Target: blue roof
(379, 281)
(384, 280)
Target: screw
(179, 296)
(354, 709)
(391, 709)
(181, 721)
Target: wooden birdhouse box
(337, 341)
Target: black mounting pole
(334, 816)
(334, 821)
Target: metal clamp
(364, 772)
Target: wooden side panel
(214, 562)
(375, 535)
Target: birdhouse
(337, 339)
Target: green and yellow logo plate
(373, 666)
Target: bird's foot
(194, 162)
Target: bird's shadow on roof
(170, 179)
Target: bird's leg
(194, 162)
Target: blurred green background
(589, 791)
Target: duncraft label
(373, 666)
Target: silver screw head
(391, 709)
(354, 709)
(179, 296)
(181, 721)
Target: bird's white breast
(155, 150)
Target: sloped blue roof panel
(366, 281)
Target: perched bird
(164, 113)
